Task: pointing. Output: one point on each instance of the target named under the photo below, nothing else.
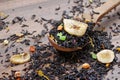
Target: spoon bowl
(61, 48)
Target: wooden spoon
(61, 48)
(102, 10)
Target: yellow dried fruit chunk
(85, 66)
(6, 42)
(75, 27)
(20, 58)
(105, 56)
(118, 49)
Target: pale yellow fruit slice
(74, 27)
(20, 58)
(105, 56)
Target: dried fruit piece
(20, 58)
(87, 20)
(19, 34)
(17, 74)
(74, 27)
(19, 40)
(60, 27)
(118, 49)
(85, 66)
(107, 65)
(32, 49)
(6, 42)
(91, 1)
(105, 56)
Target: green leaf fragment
(59, 34)
(93, 55)
(61, 37)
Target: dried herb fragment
(52, 37)
(91, 41)
(40, 73)
(93, 55)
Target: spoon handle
(104, 9)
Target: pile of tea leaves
(47, 63)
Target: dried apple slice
(105, 56)
(20, 58)
(74, 27)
